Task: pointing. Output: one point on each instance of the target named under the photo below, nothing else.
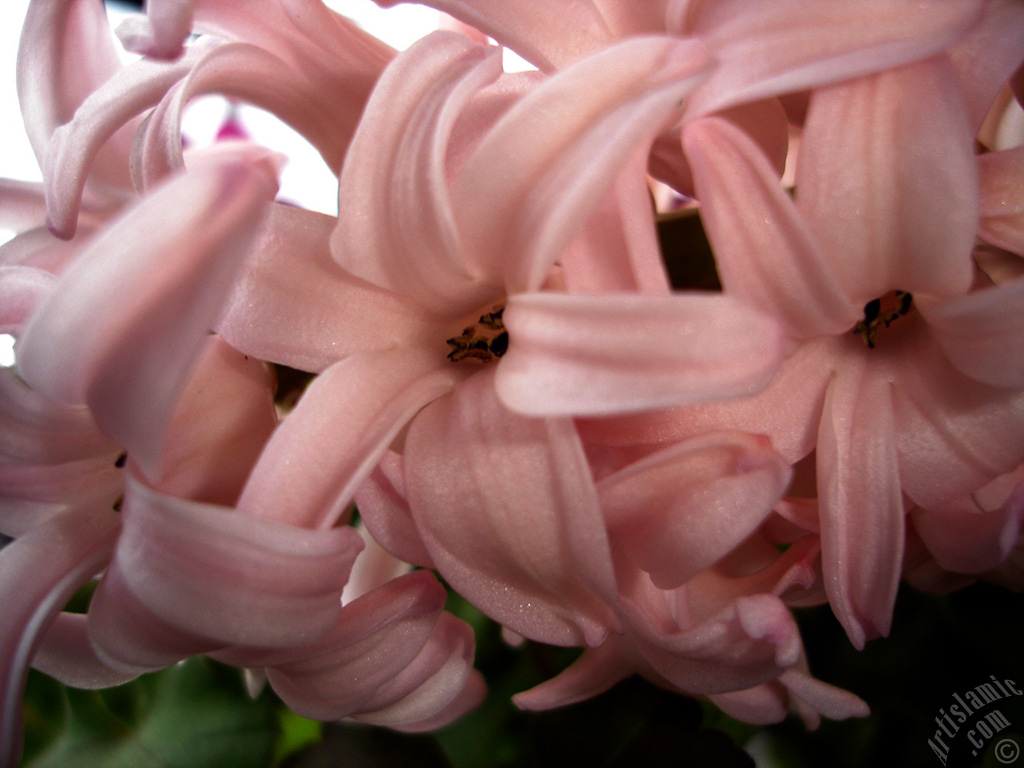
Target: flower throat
(883, 311)
(483, 342)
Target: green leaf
(196, 714)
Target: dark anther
(883, 311)
(499, 344)
(121, 460)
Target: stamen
(882, 311)
(474, 344)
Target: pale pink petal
(430, 684)
(225, 575)
(596, 355)
(376, 637)
(73, 147)
(509, 513)
(308, 35)
(748, 643)
(946, 420)
(293, 305)
(678, 511)
(39, 572)
(593, 673)
(23, 289)
(383, 506)
(767, 49)
(764, 252)
(67, 654)
(393, 196)
(986, 58)
(92, 480)
(131, 639)
(834, 703)
(761, 705)
(469, 697)
(340, 428)
(888, 184)
(1002, 199)
(530, 28)
(169, 262)
(374, 567)
(569, 141)
(617, 248)
(223, 419)
(161, 34)
(39, 249)
(965, 538)
(787, 411)
(66, 52)
(982, 333)
(793, 576)
(257, 76)
(36, 429)
(860, 500)
(22, 204)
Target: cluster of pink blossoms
(505, 384)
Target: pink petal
(35, 429)
(746, 644)
(67, 654)
(87, 481)
(430, 684)
(834, 703)
(339, 430)
(905, 218)
(162, 33)
(767, 49)
(860, 500)
(383, 506)
(393, 196)
(982, 333)
(66, 52)
(764, 252)
(261, 78)
(22, 205)
(294, 305)
(569, 141)
(73, 147)
(231, 577)
(1002, 199)
(787, 411)
(596, 355)
(130, 638)
(23, 289)
(470, 696)
(376, 637)
(678, 511)
(509, 514)
(168, 262)
(593, 673)
(987, 57)
(40, 571)
(39, 249)
(955, 434)
(761, 705)
(617, 249)
(964, 538)
(549, 40)
(223, 419)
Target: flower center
(883, 311)
(485, 341)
